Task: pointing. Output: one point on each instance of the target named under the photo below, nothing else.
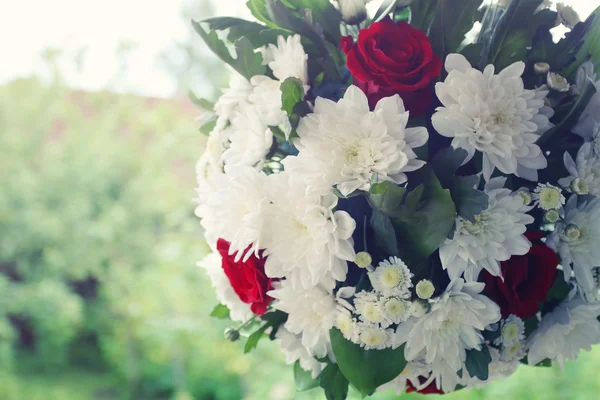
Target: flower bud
(418, 308)
(425, 289)
(541, 68)
(557, 82)
(232, 334)
(363, 259)
(572, 232)
(353, 11)
(579, 186)
(551, 216)
(566, 16)
(526, 196)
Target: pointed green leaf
(384, 234)
(303, 379)
(422, 13)
(220, 311)
(366, 370)
(257, 34)
(323, 13)
(254, 338)
(292, 92)
(478, 361)
(334, 383)
(590, 50)
(386, 196)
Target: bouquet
(405, 196)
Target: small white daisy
(372, 337)
(392, 278)
(395, 309)
(514, 352)
(512, 330)
(368, 307)
(548, 197)
(346, 324)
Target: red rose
(247, 278)
(527, 279)
(390, 59)
(430, 389)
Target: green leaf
(571, 116)
(590, 50)
(259, 35)
(472, 53)
(323, 13)
(254, 338)
(386, 196)
(425, 228)
(468, 200)
(384, 234)
(247, 62)
(386, 7)
(531, 325)
(422, 13)
(478, 361)
(334, 383)
(208, 126)
(200, 102)
(304, 380)
(292, 92)
(220, 311)
(366, 370)
(285, 18)
(453, 19)
(259, 10)
(515, 30)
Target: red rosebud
(430, 389)
(527, 280)
(247, 278)
(391, 58)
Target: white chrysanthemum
(232, 207)
(498, 369)
(373, 337)
(575, 238)
(353, 11)
(497, 234)
(548, 197)
(512, 330)
(347, 325)
(308, 242)
(311, 314)
(392, 278)
(287, 58)
(452, 326)
(266, 98)
(585, 172)
(238, 311)
(368, 307)
(564, 332)
(211, 163)
(344, 144)
(413, 372)
(293, 349)
(237, 94)
(249, 140)
(395, 309)
(493, 114)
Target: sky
(27, 27)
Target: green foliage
(257, 34)
(366, 370)
(220, 311)
(478, 361)
(323, 13)
(303, 379)
(292, 92)
(453, 19)
(333, 382)
(515, 30)
(422, 13)
(386, 7)
(590, 49)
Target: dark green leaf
(323, 13)
(257, 34)
(515, 31)
(478, 362)
(254, 338)
(453, 19)
(292, 92)
(220, 311)
(247, 62)
(531, 325)
(590, 50)
(208, 126)
(366, 370)
(304, 380)
(259, 10)
(334, 383)
(386, 196)
(472, 53)
(422, 13)
(423, 230)
(285, 18)
(384, 234)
